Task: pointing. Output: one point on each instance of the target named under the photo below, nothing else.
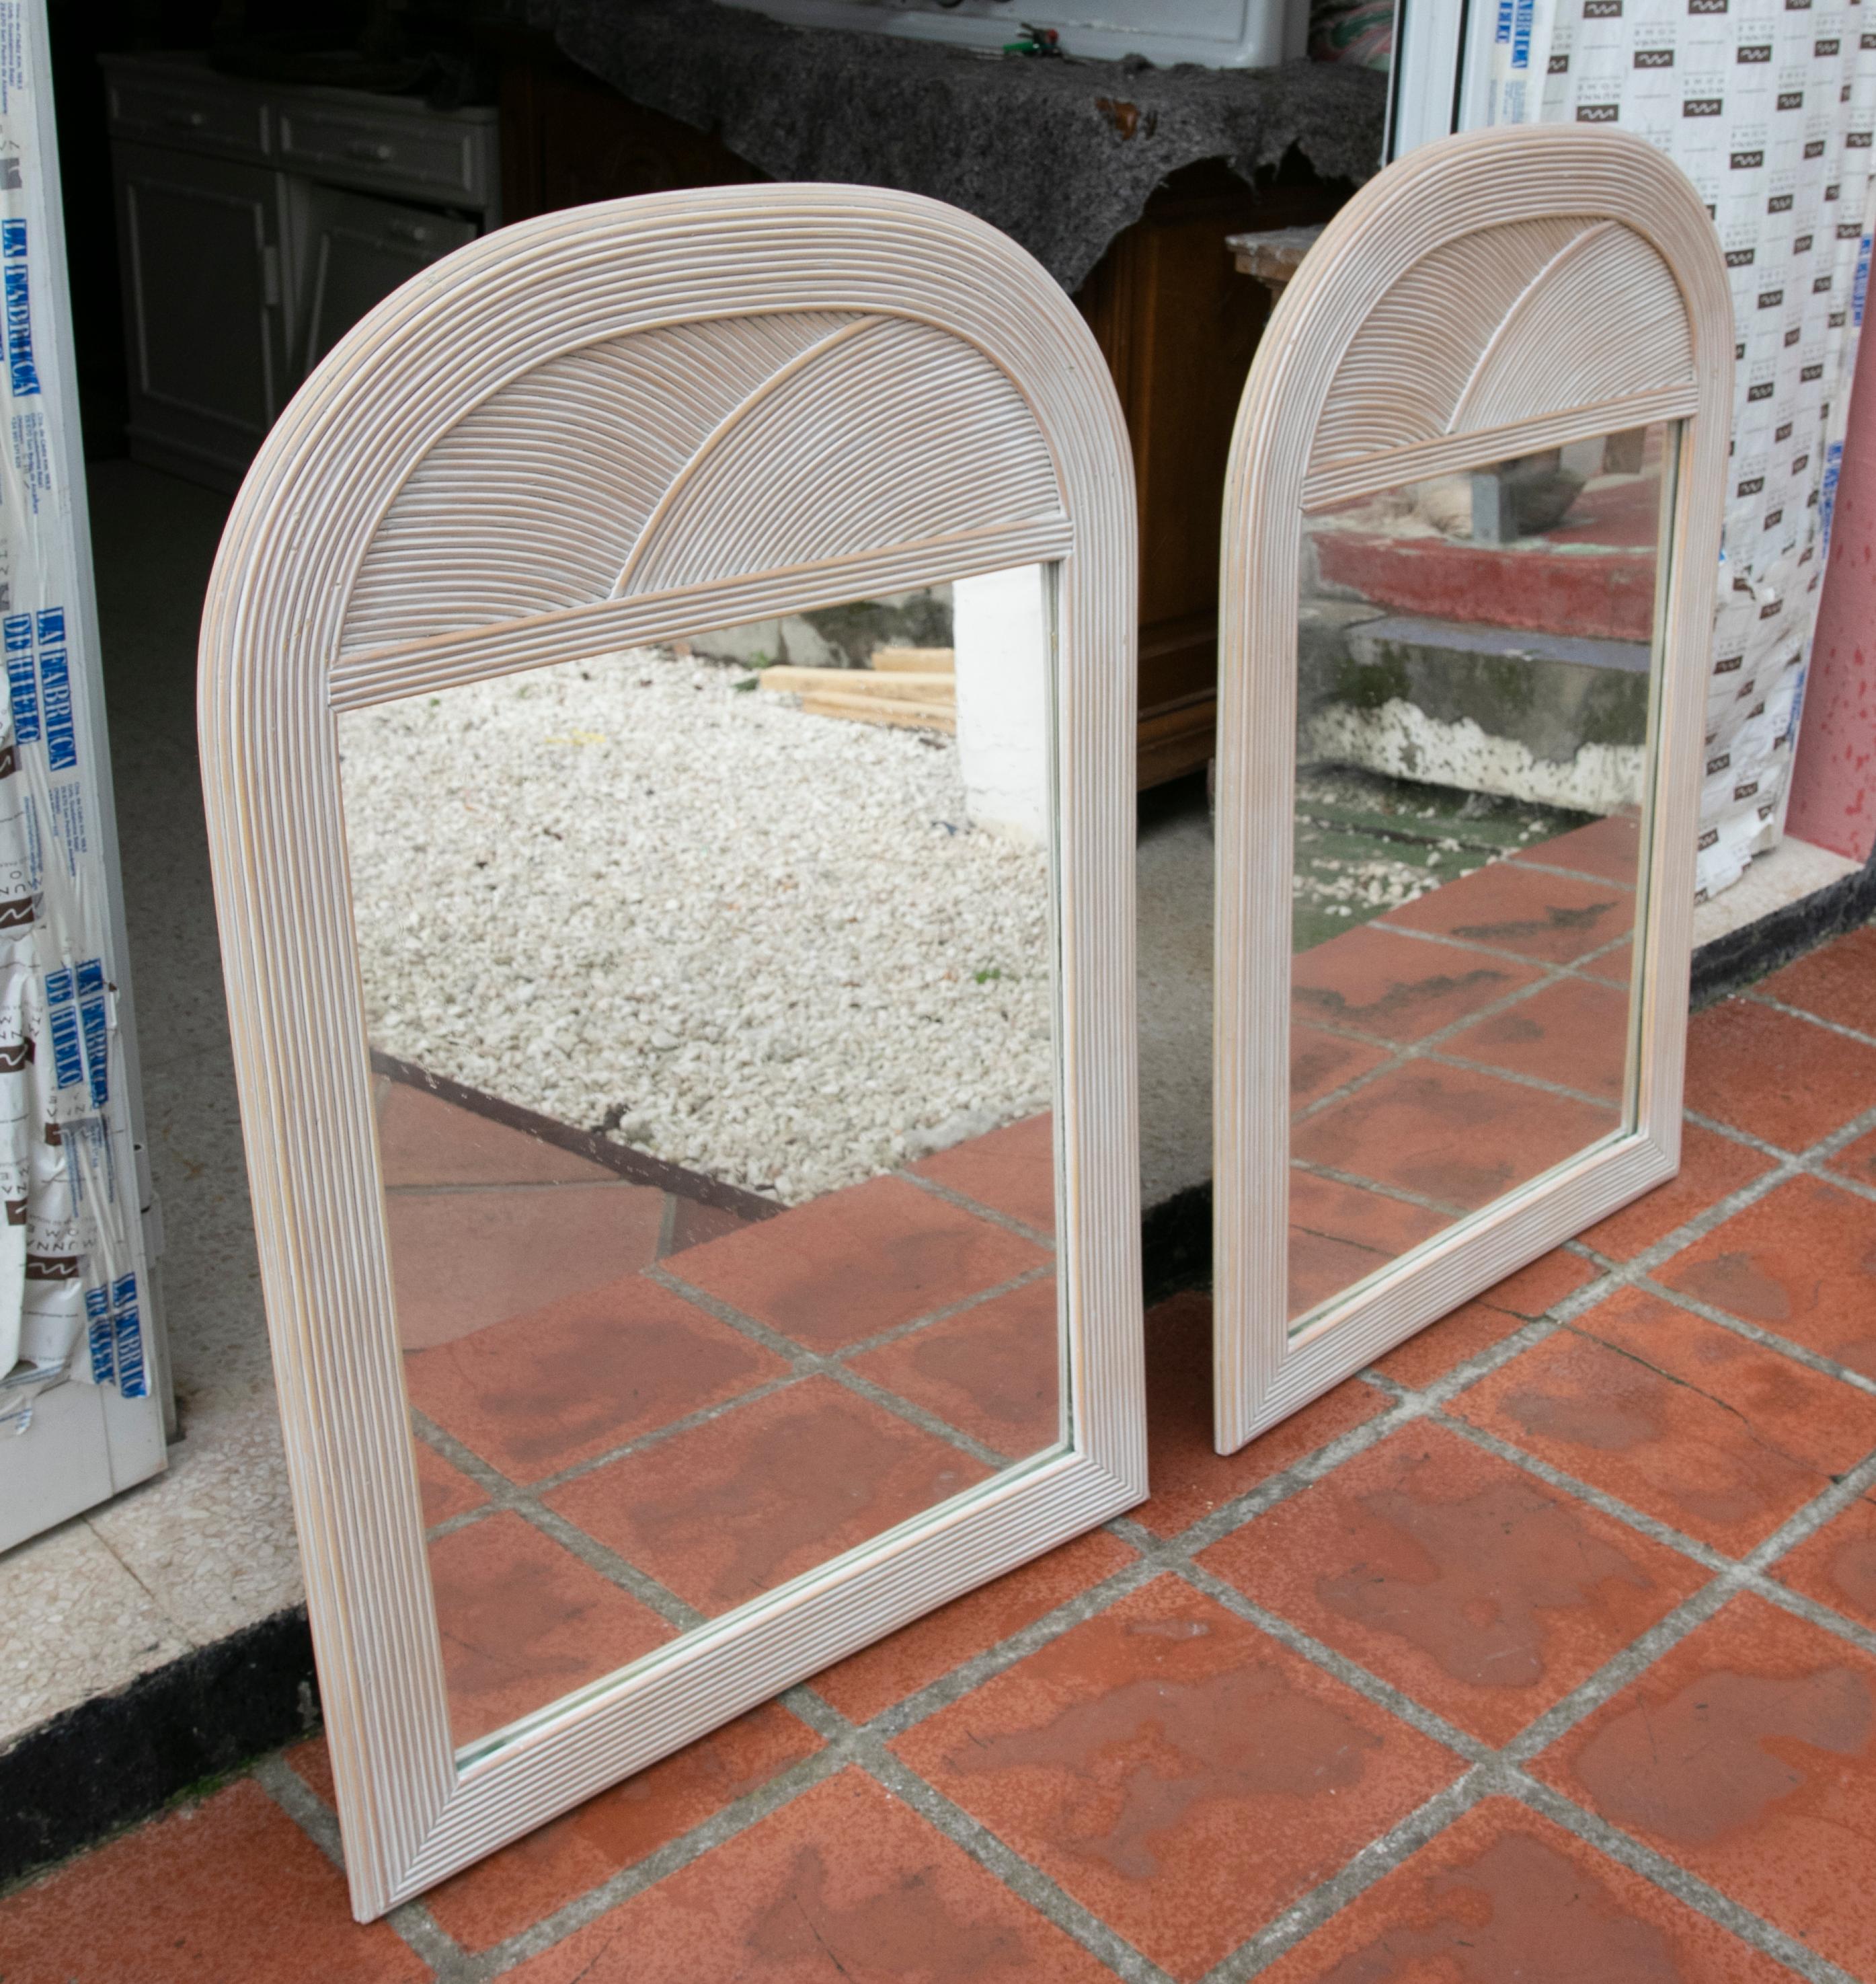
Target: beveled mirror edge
(1441, 191)
(270, 633)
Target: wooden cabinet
(257, 224)
(567, 140)
(1176, 320)
(1178, 325)
(356, 251)
(207, 325)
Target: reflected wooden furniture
(1272, 256)
(257, 221)
(1176, 323)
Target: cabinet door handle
(406, 230)
(364, 147)
(190, 120)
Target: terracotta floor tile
(1188, 1478)
(764, 1491)
(1340, 1235)
(1798, 1262)
(845, 1882)
(1609, 849)
(1450, 1134)
(1535, 1290)
(856, 1262)
(1509, 906)
(524, 1622)
(1503, 1894)
(1837, 981)
(1748, 1754)
(1837, 1566)
(1321, 1062)
(1573, 1033)
(1425, 1357)
(543, 1871)
(1857, 1162)
(1678, 1417)
(230, 1889)
(1711, 1167)
(1617, 966)
(866, 1684)
(1787, 1080)
(311, 1762)
(1501, 1311)
(444, 1491)
(1177, 1771)
(1831, 1427)
(1377, 981)
(463, 1260)
(424, 1141)
(1472, 1586)
(692, 1223)
(991, 1371)
(575, 1378)
(1012, 1170)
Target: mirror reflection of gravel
(763, 945)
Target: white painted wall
(1000, 635)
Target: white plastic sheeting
(72, 1302)
(1768, 106)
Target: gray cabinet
(356, 250)
(257, 224)
(209, 340)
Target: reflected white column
(1002, 735)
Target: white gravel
(763, 945)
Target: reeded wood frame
(291, 637)
(1415, 341)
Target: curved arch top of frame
(619, 425)
(1489, 295)
(1506, 324)
(696, 452)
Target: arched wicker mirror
(1471, 539)
(693, 1159)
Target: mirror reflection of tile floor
(690, 1409)
(636, 1410)
(1452, 1049)
(1544, 1648)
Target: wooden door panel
(1178, 325)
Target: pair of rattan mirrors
(693, 1145)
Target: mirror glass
(711, 1007)
(1477, 658)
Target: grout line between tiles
(721, 1827)
(976, 1207)
(1020, 1876)
(1362, 1680)
(972, 1674)
(1753, 996)
(1399, 1052)
(1674, 1879)
(1573, 967)
(1811, 1162)
(1374, 1862)
(411, 1921)
(1753, 1332)
(806, 1357)
(1488, 1772)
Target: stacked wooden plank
(914, 688)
